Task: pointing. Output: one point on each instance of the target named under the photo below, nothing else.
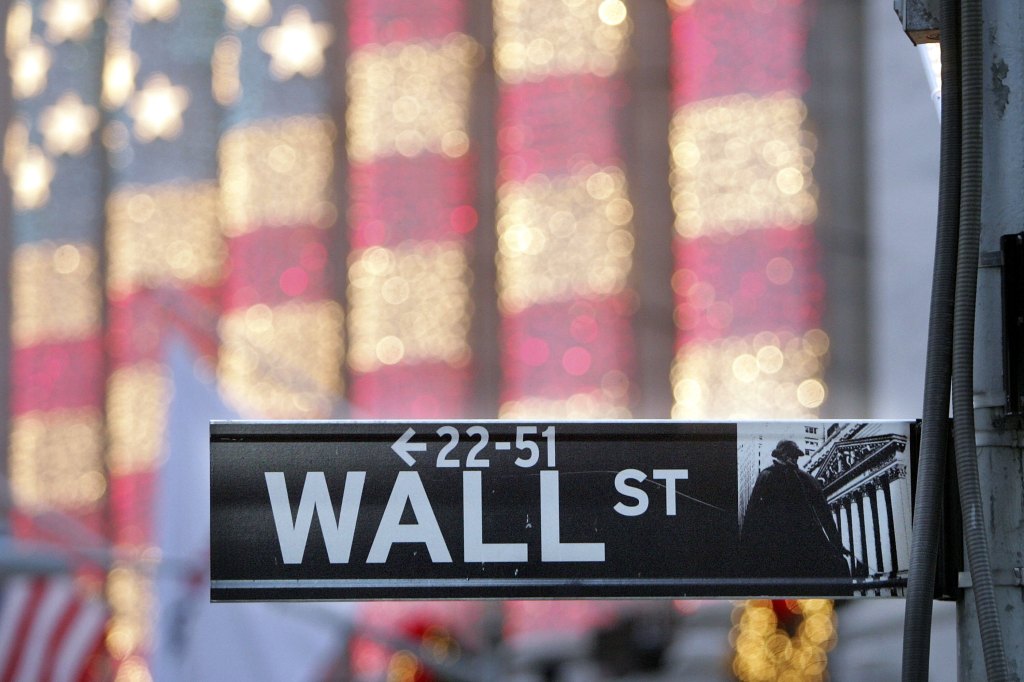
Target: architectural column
(863, 533)
(872, 493)
(847, 504)
(887, 495)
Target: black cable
(975, 533)
(938, 368)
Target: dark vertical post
(644, 131)
(486, 322)
(6, 253)
(836, 113)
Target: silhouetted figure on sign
(788, 531)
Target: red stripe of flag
(57, 636)
(50, 632)
(25, 617)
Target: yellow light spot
(19, 27)
(69, 19)
(242, 13)
(688, 392)
(811, 393)
(601, 185)
(29, 69)
(297, 45)
(119, 69)
(790, 181)
(745, 368)
(390, 350)
(147, 10)
(770, 359)
(68, 125)
(133, 669)
(31, 182)
(227, 55)
(66, 259)
(15, 144)
(282, 158)
(612, 12)
(454, 143)
(157, 109)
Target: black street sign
(497, 509)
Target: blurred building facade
(444, 208)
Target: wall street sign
(498, 509)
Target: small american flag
(50, 631)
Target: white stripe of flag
(49, 631)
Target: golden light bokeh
(766, 652)
(277, 173)
(56, 460)
(119, 69)
(564, 237)
(29, 68)
(138, 396)
(411, 98)
(740, 163)
(598, 404)
(68, 125)
(69, 19)
(242, 13)
(534, 40)
(157, 109)
(736, 378)
(409, 304)
(19, 27)
(225, 65)
(164, 235)
(282, 362)
(144, 11)
(296, 46)
(55, 293)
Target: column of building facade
(165, 261)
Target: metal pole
(1000, 446)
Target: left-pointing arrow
(403, 447)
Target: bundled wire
(950, 359)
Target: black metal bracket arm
(950, 560)
(1012, 251)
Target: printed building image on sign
(498, 509)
